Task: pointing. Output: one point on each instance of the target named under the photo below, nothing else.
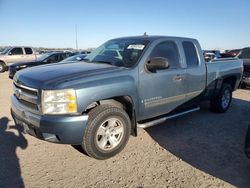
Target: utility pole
(76, 37)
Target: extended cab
(124, 84)
(15, 54)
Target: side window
(61, 57)
(17, 51)
(52, 59)
(28, 51)
(169, 51)
(190, 54)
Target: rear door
(195, 78)
(29, 55)
(162, 91)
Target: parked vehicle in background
(210, 56)
(231, 53)
(244, 54)
(247, 143)
(126, 83)
(216, 52)
(84, 52)
(16, 54)
(43, 59)
(74, 58)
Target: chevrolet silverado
(124, 84)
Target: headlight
(59, 101)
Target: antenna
(76, 37)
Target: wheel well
(230, 80)
(4, 64)
(123, 102)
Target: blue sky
(221, 24)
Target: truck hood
(51, 76)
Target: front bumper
(64, 129)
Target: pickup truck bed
(223, 67)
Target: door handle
(179, 77)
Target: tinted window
(190, 54)
(52, 59)
(17, 51)
(61, 57)
(169, 51)
(245, 54)
(28, 50)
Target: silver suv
(15, 54)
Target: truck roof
(19, 47)
(155, 37)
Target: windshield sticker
(136, 46)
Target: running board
(161, 120)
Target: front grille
(27, 96)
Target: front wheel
(222, 102)
(107, 132)
(2, 67)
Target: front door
(162, 91)
(15, 55)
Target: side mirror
(157, 63)
(9, 53)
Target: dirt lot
(202, 149)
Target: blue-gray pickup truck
(124, 84)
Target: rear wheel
(107, 132)
(2, 67)
(222, 102)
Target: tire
(243, 85)
(2, 67)
(247, 143)
(222, 102)
(107, 132)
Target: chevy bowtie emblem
(18, 93)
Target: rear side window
(17, 51)
(190, 54)
(28, 50)
(169, 51)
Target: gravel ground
(202, 149)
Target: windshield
(119, 52)
(5, 51)
(43, 56)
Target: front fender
(107, 89)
